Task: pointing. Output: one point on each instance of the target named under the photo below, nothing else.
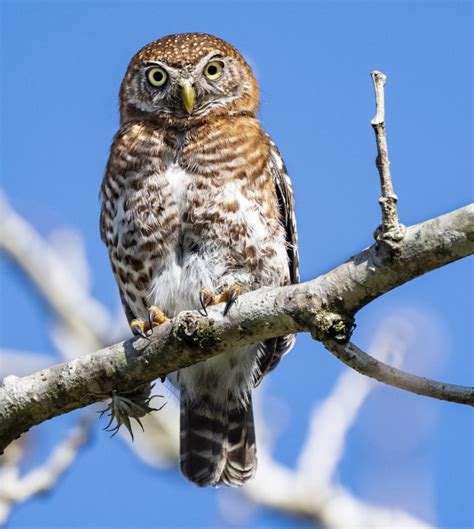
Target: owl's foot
(139, 328)
(229, 296)
(130, 405)
(155, 317)
(206, 298)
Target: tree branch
(332, 418)
(55, 282)
(15, 488)
(354, 357)
(391, 229)
(324, 306)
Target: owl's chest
(204, 207)
(180, 188)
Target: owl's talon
(143, 328)
(139, 328)
(229, 296)
(205, 298)
(232, 293)
(150, 319)
(230, 301)
(203, 310)
(130, 405)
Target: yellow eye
(213, 70)
(157, 76)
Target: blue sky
(62, 63)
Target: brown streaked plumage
(196, 196)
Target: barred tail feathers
(217, 445)
(241, 451)
(202, 452)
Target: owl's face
(187, 77)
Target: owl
(197, 208)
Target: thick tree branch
(324, 306)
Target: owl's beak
(188, 94)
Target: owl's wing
(273, 350)
(286, 203)
(126, 307)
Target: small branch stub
(390, 231)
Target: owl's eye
(157, 76)
(213, 70)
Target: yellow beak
(189, 96)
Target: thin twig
(390, 228)
(354, 357)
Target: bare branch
(324, 306)
(354, 357)
(332, 419)
(390, 229)
(15, 489)
(37, 259)
(279, 488)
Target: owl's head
(187, 77)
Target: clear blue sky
(62, 63)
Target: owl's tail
(217, 445)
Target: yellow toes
(229, 296)
(207, 297)
(156, 316)
(139, 327)
(232, 292)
